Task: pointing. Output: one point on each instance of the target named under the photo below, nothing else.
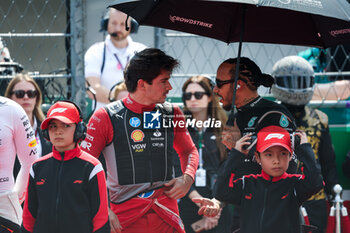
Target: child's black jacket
(269, 204)
(66, 194)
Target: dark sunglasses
(20, 93)
(220, 83)
(198, 95)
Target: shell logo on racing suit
(137, 135)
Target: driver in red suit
(137, 136)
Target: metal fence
(199, 55)
(45, 37)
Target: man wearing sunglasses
(250, 107)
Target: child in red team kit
(270, 201)
(67, 188)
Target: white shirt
(115, 61)
(16, 137)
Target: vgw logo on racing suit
(151, 120)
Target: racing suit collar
(271, 178)
(251, 104)
(67, 155)
(135, 106)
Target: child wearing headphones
(67, 188)
(271, 200)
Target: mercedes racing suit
(137, 142)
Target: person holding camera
(105, 61)
(294, 87)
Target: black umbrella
(315, 23)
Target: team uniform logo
(32, 143)
(60, 110)
(284, 121)
(274, 135)
(151, 120)
(146, 195)
(252, 121)
(137, 135)
(157, 133)
(134, 122)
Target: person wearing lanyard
(105, 61)
(202, 105)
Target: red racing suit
(119, 131)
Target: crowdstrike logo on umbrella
(339, 32)
(190, 21)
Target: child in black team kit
(270, 201)
(67, 188)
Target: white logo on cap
(57, 110)
(274, 135)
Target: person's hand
(178, 187)
(209, 207)
(114, 222)
(243, 141)
(230, 135)
(210, 222)
(302, 135)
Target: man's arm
(99, 133)
(30, 206)
(101, 91)
(99, 200)
(226, 187)
(332, 91)
(93, 63)
(189, 157)
(311, 182)
(26, 148)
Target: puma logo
(40, 182)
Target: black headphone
(80, 129)
(284, 122)
(134, 27)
